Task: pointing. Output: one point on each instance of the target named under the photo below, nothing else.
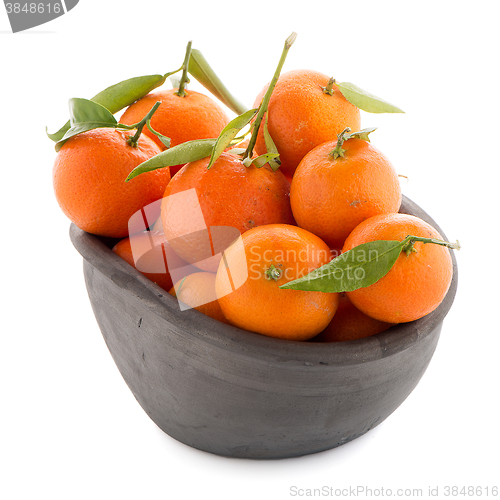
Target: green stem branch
(265, 101)
(167, 75)
(339, 151)
(407, 245)
(185, 78)
(132, 141)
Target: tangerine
(150, 253)
(89, 180)
(198, 291)
(192, 116)
(229, 196)
(301, 116)
(349, 323)
(418, 281)
(253, 269)
(331, 195)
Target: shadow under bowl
(235, 393)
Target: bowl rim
(197, 327)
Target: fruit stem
(185, 78)
(265, 101)
(170, 73)
(407, 245)
(132, 141)
(273, 273)
(345, 135)
(339, 151)
(329, 86)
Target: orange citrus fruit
(331, 196)
(150, 253)
(198, 291)
(270, 256)
(182, 119)
(302, 116)
(227, 195)
(349, 323)
(89, 180)
(418, 281)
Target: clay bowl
(235, 393)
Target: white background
(70, 428)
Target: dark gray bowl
(235, 393)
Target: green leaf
(229, 132)
(86, 115)
(178, 155)
(236, 151)
(86, 111)
(366, 101)
(201, 70)
(362, 134)
(274, 163)
(57, 136)
(261, 160)
(163, 138)
(123, 94)
(359, 267)
(119, 96)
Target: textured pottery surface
(240, 394)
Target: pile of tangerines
(283, 221)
